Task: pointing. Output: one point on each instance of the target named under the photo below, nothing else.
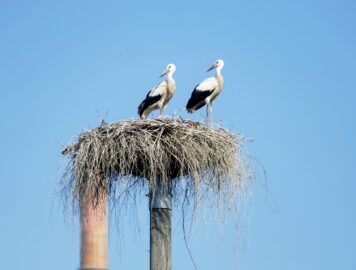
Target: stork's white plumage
(206, 91)
(159, 96)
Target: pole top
(161, 196)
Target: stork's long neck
(219, 77)
(170, 82)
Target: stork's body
(207, 91)
(160, 95)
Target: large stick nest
(171, 150)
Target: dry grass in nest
(197, 162)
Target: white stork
(160, 95)
(206, 91)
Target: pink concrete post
(94, 234)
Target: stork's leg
(211, 114)
(160, 112)
(207, 115)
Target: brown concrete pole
(160, 229)
(94, 234)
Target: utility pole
(160, 227)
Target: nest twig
(166, 149)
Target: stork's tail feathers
(190, 106)
(141, 109)
(190, 110)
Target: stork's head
(218, 64)
(171, 68)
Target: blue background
(290, 76)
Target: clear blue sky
(290, 77)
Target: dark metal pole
(160, 227)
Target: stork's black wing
(148, 101)
(197, 100)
